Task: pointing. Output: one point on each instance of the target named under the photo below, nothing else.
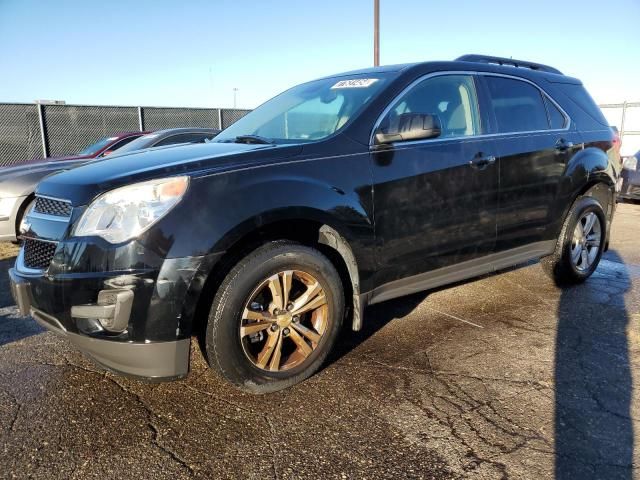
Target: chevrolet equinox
(336, 194)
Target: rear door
(435, 200)
(534, 143)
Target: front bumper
(155, 340)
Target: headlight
(126, 212)
(6, 206)
(630, 163)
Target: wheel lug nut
(274, 327)
(290, 307)
(296, 319)
(286, 331)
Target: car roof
(168, 132)
(152, 138)
(121, 135)
(478, 63)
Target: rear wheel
(580, 244)
(275, 317)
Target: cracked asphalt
(504, 377)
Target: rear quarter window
(579, 95)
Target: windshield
(99, 145)
(311, 111)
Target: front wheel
(580, 245)
(275, 317)
(21, 221)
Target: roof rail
(508, 61)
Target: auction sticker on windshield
(355, 83)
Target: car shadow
(377, 316)
(593, 383)
(380, 314)
(592, 370)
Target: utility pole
(376, 33)
(235, 93)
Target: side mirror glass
(409, 126)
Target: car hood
(22, 179)
(84, 183)
(40, 161)
(48, 164)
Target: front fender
(220, 209)
(282, 199)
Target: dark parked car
(18, 183)
(170, 136)
(630, 179)
(337, 194)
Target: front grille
(37, 254)
(48, 206)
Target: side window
(182, 138)
(197, 137)
(555, 115)
(117, 145)
(518, 106)
(452, 98)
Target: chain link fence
(229, 116)
(32, 131)
(20, 133)
(160, 118)
(70, 128)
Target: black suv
(337, 194)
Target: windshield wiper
(252, 139)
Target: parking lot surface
(502, 377)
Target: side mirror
(410, 126)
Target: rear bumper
(158, 360)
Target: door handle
(481, 161)
(562, 146)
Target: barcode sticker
(355, 83)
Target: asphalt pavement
(503, 377)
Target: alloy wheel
(284, 320)
(586, 240)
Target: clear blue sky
(193, 53)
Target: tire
(560, 266)
(245, 360)
(26, 208)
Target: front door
(435, 200)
